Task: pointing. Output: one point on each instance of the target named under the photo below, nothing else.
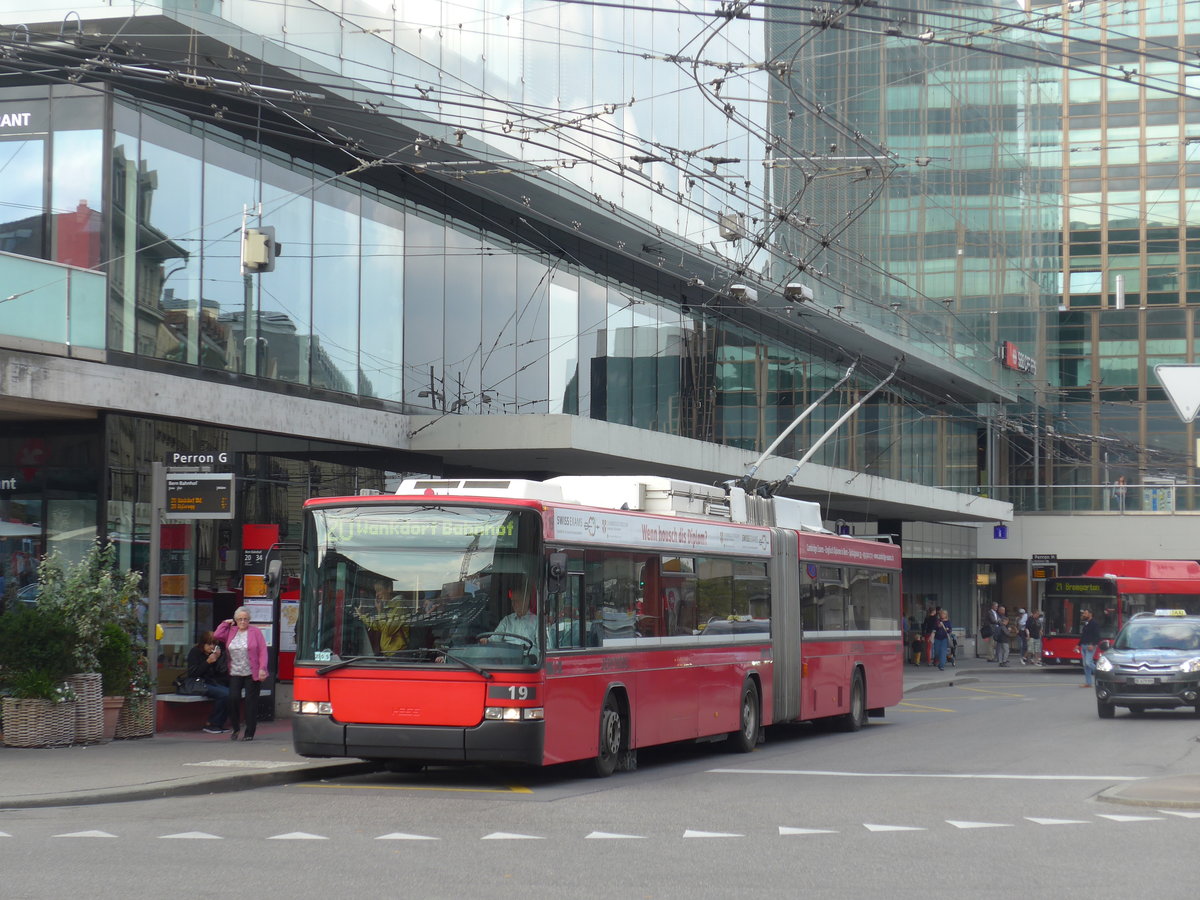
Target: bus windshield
(420, 584)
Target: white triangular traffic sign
(1182, 384)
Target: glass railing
(51, 303)
(1114, 499)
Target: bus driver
(520, 622)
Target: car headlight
(1103, 664)
(1192, 665)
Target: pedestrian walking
(1023, 636)
(1089, 637)
(992, 619)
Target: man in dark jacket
(1089, 637)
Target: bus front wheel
(611, 738)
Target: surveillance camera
(742, 292)
(797, 292)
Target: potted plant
(36, 654)
(114, 656)
(91, 594)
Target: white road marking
(711, 834)
(401, 836)
(783, 829)
(977, 824)
(191, 835)
(1130, 818)
(982, 777)
(297, 836)
(892, 828)
(5, 834)
(608, 835)
(1057, 821)
(510, 836)
(1180, 812)
(88, 834)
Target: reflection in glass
(381, 329)
(335, 290)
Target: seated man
(520, 622)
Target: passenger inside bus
(386, 621)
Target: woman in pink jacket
(246, 651)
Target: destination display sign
(1081, 587)
(199, 496)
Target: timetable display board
(194, 495)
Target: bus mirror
(274, 578)
(556, 572)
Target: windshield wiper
(342, 663)
(445, 651)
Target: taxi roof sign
(1170, 612)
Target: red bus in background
(655, 615)
(1114, 589)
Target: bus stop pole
(158, 493)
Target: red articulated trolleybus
(581, 618)
(1114, 589)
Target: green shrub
(37, 651)
(115, 658)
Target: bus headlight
(1103, 665)
(512, 713)
(312, 707)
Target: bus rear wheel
(745, 738)
(612, 731)
(857, 717)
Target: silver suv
(1153, 664)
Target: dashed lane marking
(1116, 818)
(87, 834)
(608, 835)
(191, 836)
(510, 836)
(297, 836)
(1057, 821)
(783, 829)
(966, 825)
(711, 834)
(401, 836)
(870, 827)
(1180, 812)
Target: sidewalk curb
(193, 786)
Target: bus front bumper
(489, 742)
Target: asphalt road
(987, 789)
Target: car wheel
(611, 738)
(1105, 710)
(857, 717)
(746, 737)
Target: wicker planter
(89, 707)
(38, 723)
(136, 719)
